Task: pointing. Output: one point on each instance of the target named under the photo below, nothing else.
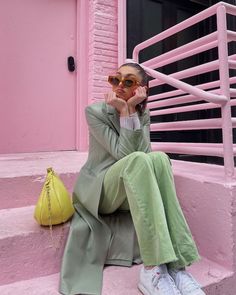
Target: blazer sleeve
(124, 143)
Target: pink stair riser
(25, 190)
(27, 249)
(123, 281)
(22, 175)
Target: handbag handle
(50, 172)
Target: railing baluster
(224, 85)
(214, 94)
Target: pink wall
(103, 45)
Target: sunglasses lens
(128, 83)
(114, 81)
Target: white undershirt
(131, 122)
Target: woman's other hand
(139, 95)
(119, 104)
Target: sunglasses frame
(122, 81)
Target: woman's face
(126, 92)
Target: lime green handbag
(54, 205)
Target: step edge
(19, 228)
(30, 164)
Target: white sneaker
(157, 281)
(186, 283)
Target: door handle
(71, 63)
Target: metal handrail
(181, 26)
(216, 94)
(205, 86)
(210, 97)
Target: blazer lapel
(113, 116)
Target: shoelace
(161, 281)
(190, 283)
(174, 286)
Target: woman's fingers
(109, 97)
(139, 95)
(119, 104)
(141, 91)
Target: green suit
(94, 240)
(120, 167)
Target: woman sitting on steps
(123, 178)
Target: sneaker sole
(143, 289)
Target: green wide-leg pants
(143, 183)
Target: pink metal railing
(217, 94)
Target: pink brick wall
(103, 46)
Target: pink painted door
(37, 92)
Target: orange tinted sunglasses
(126, 82)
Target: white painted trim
(82, 74)
(122, 32)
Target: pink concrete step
(208, 203)
(123, 281)
(26, 249)
(26, 252)
(22, 175)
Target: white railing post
(225, 90)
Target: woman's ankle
(148, 267)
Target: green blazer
(94, 239)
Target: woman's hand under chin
(118, 103)
(139, 95)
